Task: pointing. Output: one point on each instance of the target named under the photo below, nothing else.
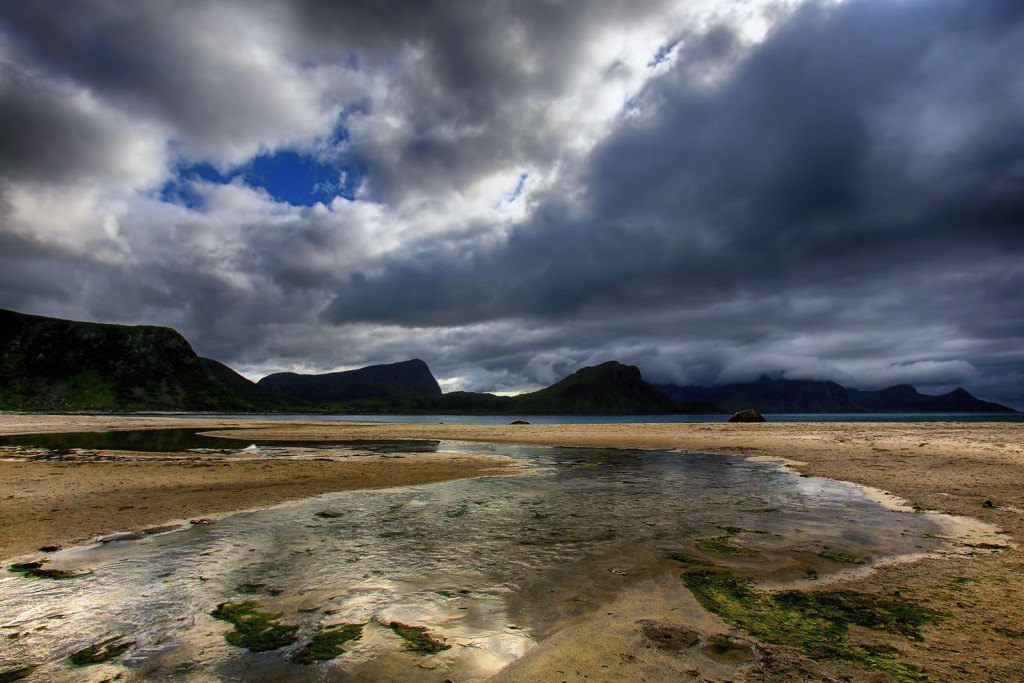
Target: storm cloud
(710, 191)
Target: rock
(727, 650)
(519, 422)
(748, 415)
(668, 637)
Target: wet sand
(966, 469)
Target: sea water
(616, 419)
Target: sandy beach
(972, 470)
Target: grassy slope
(53, 364)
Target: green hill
(54, 364)
(607, 389)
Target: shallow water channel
(490, 566)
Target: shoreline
(966, 469)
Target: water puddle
(128, 444)
(489, 566)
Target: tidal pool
(490, 566)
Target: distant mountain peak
(609, 388)
(406, 378)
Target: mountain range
(811, 396)
(50, 364)
(406, 379)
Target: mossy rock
(254, 630)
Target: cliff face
(53, 364)
(408, 379)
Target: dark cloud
(475, 85)
(864, 154)
(841, 200)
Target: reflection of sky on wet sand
(464, 558)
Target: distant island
(50, 364)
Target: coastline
(969, 469)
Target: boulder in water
(748, 415)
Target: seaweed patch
(418, 638)
(837, 556)
(36, 570)
(817, 621)
(101, 652)
(327, 643)
(723, 545)
(255, 630)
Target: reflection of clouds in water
(448, 556)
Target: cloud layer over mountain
(510, 191)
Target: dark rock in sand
(748, 415)
(668, 637)
(519, 422)
(727, 650)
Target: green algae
(723, 545)
(817, 622)
(257, 588)
(457, 512)
(17, 673)
(733, 530)
(837, 556)
(35, 570)
(958, 581)
(1009, 633)
(327, 643)
(418, 638)
(686, 558)
(101, 652)
(257, 631)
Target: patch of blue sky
(181, 188)
(520, 185)
(663, 54)
(287, 176)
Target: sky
(511, 190)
